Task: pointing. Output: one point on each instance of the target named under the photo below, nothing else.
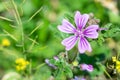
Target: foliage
(28, 30)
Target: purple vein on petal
(91, 31)
(69, 24)
(81, 20)
(69, 42)
(81, 45)
(66, 27)
(84, 45)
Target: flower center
(79, 33)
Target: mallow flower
(79, 78)
(87, 67)
(47, 61)
(80, 33)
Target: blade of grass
(22, 2)
(18, 45)
(39, 66)
(10, 35)
(6, 5)
(17, 16)
(9, 52)
(21, 6)
(12, 26)
(4, 18)
(3, 35)
(35, 14)
(35, 29)
(30, 67)
(33, 42)
(44, 47)
(106, 72)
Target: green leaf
(100, 40)
(112, 30)
(68, 72)
(108, 25)
(60, 75)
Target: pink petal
(84, 45)
(91, 31)
(69, 42)
(81, 20)
(87, 67)
(84, 66)
(66, 27)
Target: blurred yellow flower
(75, 63)
(118, 66)
(117, 63)
(21, 64)
(5, 42)
(114, 59)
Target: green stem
(35, 14)
(39, 66)
(106, 72)
(18, 19)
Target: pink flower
(78, 78)
(80, 33)
(86, 67)
(47, 61)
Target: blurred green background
(40, 19)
